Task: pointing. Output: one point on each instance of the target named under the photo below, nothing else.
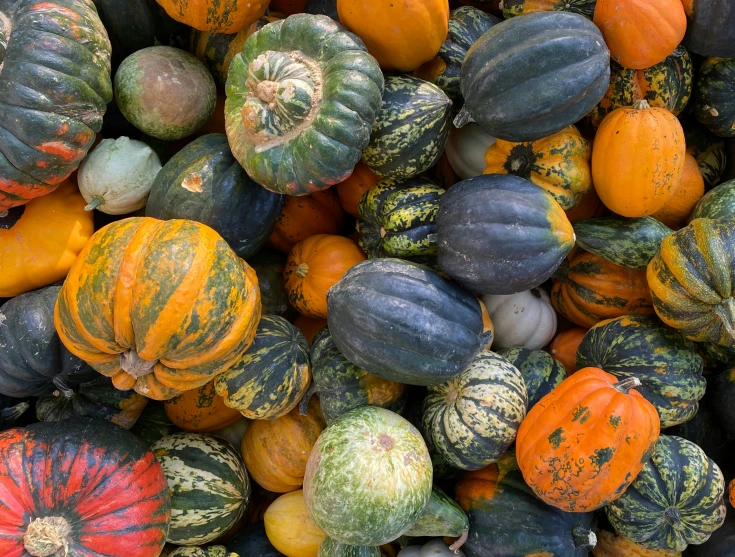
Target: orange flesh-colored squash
(690, 190)
(301, 217)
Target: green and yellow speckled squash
(512, 8)
(714, 104)
(298, 112)
(676, 500)
(210, 551)
(272, 376)
(473, 418)
(718, 203)
(397, 219)
(669, 370)
(541, 373)
(441, 517)
(411, 129)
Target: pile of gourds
(364, 278)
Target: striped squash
(209, 486)
(718, 203)
(159, 306)
(541, 373)
(272, 376)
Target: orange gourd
(289, 527)
(690, 190)
(487, 325)
(564, 347)
(310, 326)
(638, 159)
(301, 217)
(612, 545)
(314, 266)
(589, 206)
(223, 16)
(582, 445)
(731, 492)
(201, 410)
(350, 191)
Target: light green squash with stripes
(332, 548)
(209, 486)
(368, 478)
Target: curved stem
(14, 412)
(134, 365)
(463, 118)
(304, 404)
(627, 384)
(96, 202)
(460, 542)
(63, 388)
(583, 537)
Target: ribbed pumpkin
(613, 545)
(272, 376)
(472, 419)
(268, 266)
(350, 191)
(201, 410)
(718, 203)
(713, 104)
(290, 528)
(541, 373)
(226, 16)
(209, 486)
(583, 444)
(676, 500)
(298, 115)
(159, 306)
(590, 289)
(301, 217)
(690, 190)
(564, 347)
(697, 302)
(708, 30)
(512, 8)
(638, 159)
(275, 451)
(669, 370)
(314, 266)
(559, 163)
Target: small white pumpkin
(525, 319)
(466, 148)
(434, 548)
(117, 176)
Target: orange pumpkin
(301, 217)
(589, 206)
(582, 444)
(350, 191)
(731, 492)
(612, 545)
(690, 190)
(276, 451)
(223, 16)
(638, 159)
(640, 33)
(200, 410)
(289, 527)
(309, 326)
(401, 35)
(314, 266)
(564, 347)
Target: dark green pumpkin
(269, 265)
(708, 431)
(710, 31)
(541, 373)
(532, 76)
(714, 104)
(153, 424)
(332, 548)
(411, 129)
(718, 203)
(398, 219)
(252, 542)
(669, 369)
(709, 150)
(501, 234)
(204, 182)
(676, 500)
(512, 8)
(722, 395)
(10, 410)
(432, 339)
(442, 517)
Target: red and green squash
(713, 102)
(541, 373)
(201, 410)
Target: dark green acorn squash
(10, 410)
(269, 265)
(252, 542)
(433, 337)
(721, 544)
(707, 431)
(501, 234)
(512, 8)
(669, 369)
(301, 127)
(676, 500)
(332, 548)
(541, 373)
(54, 89)
(718, 203)
(153, 424)
(714, 104)
(709, 150)
(442, 517)
(204, 182)
(398, 219)
(411, 129)
(722, 395)
(532, 76)
(710, 31)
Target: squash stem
(47, 536)
(63, 388)
(672, 516)
(460, 542)
(134, 365)
(726, 312)
(96, 202)
(641, 105)
(302, 270)
(583, 537)
(463, 118)
(627, 384)
(14, 412)
(304, 404)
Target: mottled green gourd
(719, 203)
(441, 517)
(628, 242)
(676, 500)
(302, 97)
(513, 8)
(714, 104)
(211, 551)
(332, 548)
(541, 373)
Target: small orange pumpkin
(201, 410)
(289, 527)
(223, 16)
(314, 266)
(690, 190)
(309, 326)
(564, 347)
(350, 191)
(589, 206)
(301, 217)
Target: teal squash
(302, 97)
(368, 478)
(669, 369)
(709, 150)
(398, 219)
(204, 182)
(714, 104)
(411, 129)
(272, 375)
(722, 393)
(269, 266)
(718, 203)
(209, 486)
(541, 373)
(441, 517)
(332, 548)
(676, 500)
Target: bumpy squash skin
(541, 373)
(709, 32)
(715, 87)
(512, 8)
(333, 548)
(676, 500)
(718, 203)
(613, 545)
(442, 517)
(201, 410)
(301, 128)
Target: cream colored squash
(434, 548)
(233, 433)
(466, 148)
(524, 319)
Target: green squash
(204, 182)
(441, 517)
(709, 28)
(628, 242)
(153, 424)
(513, 8)
(717, 358)
(332, 548)
(252, 541)
(541, 373)
(718, 203)
(302, 97)
(721, 399)
(669, 369)
(397, 219)
(721, 544)
(676, 500)
(273, 374)
(269, 265)
(708, 431)
(411, 129)
(210, 551)
(714, 104)
(709, 150)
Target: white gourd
(434, 548)
(525, 319)
(466, 148)
(233, 433)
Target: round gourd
(272, 375)
(368, 478)
(501, 234)
(713, 104)
(298, 115)
(558, 71)
(350, 191)
(583, 444)
(201, 410)
(512, 8)
(290, 528)
(159, 306)
(209, 486)
(226, 16)
(718, 203)
(466, 149)
(268, 266)
(204, 182)
(333, 548)
(564, 348)
(690, 190)
(708, 32)
(541, 373)
(676, 500)
(472, 419)
(301, 217)
(525, 319)
(613, 545)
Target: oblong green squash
(541, 373)
(718, 203)
(714, 104)
(442, 517)
(332, 548)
